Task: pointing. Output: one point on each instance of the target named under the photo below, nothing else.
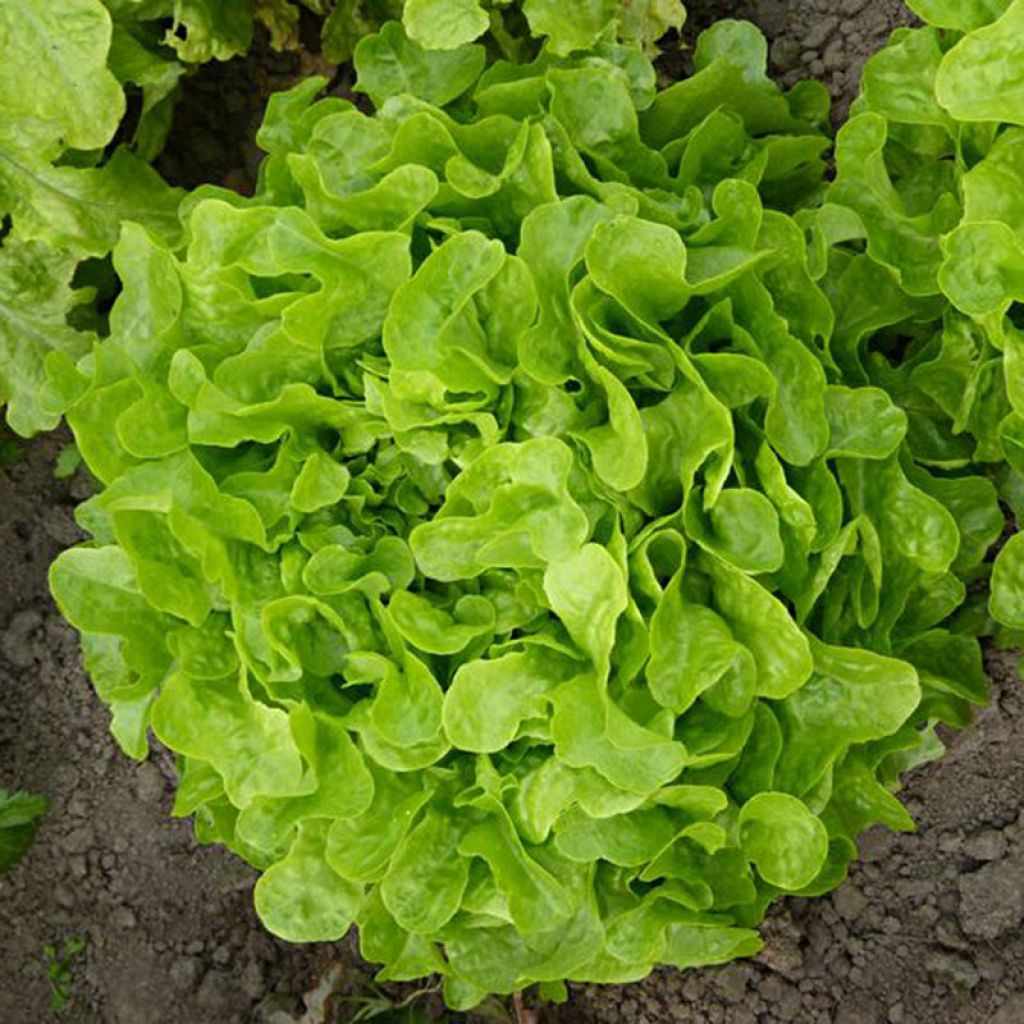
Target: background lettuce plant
(73, 168)
(921, 241)
(510, 521)
(62, 71)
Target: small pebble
(123, 917)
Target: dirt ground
(927, 929)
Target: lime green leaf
(444, 24)
(980, 78)
(960, 14)
(568, 29)
(301, 899)
(35, 298)
(1007, 601)
(784, 840)
(854, 696)
(425, 882)
(83, 209)
(863, 422)
(588, 593)
(53, 74)
(210, 29)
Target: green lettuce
(930, 193)
(507, 522)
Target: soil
(927, 929)
(213, 136)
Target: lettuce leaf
(19, 820)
